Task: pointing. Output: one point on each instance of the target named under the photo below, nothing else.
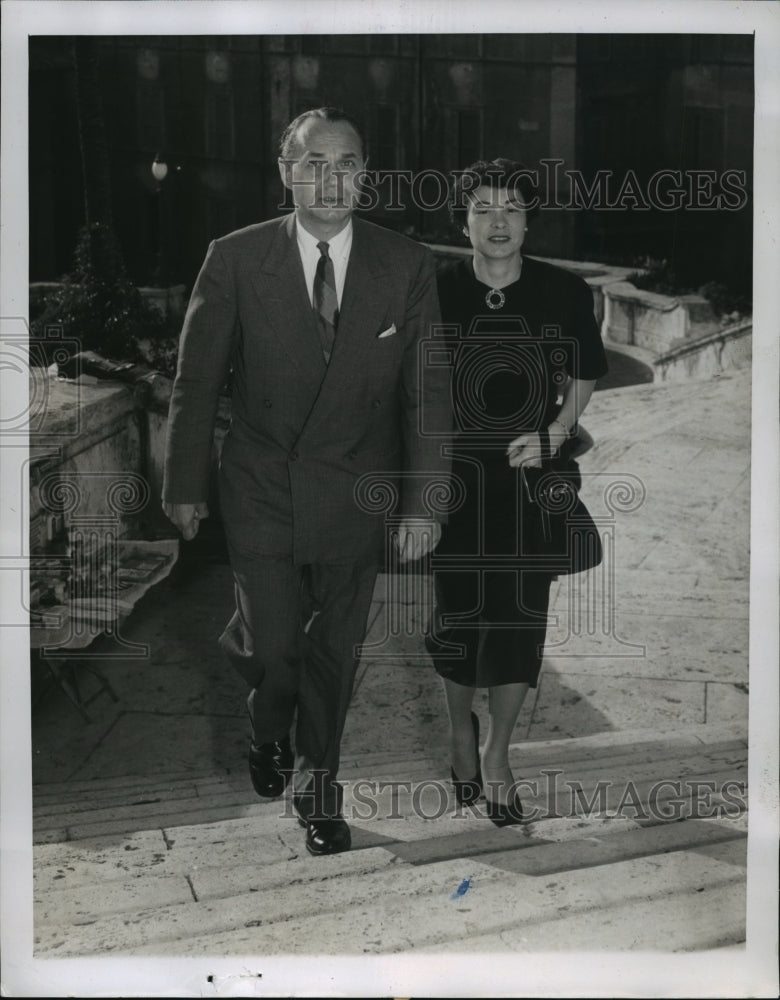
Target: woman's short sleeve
(586, 358)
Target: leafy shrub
(725, 300)
(658, 276)
(99, 307)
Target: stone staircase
(636, 837)
(622, 850)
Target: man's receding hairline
(314, 120)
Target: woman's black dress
(509, 365)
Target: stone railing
(679, 335)
(653, 321)
(598, 276)
(729, 348)
(98, 536)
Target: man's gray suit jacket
(303, 433)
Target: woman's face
(495, 222)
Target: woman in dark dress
(526, 352)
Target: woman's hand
(527, 449)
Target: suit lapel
(281, 286)
(363, 306)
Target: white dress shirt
(338, 251)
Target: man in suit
(320, 316)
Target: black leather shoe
(327, 836)
(324, 834)
(505, 815)
(270, 767)
(467, 792)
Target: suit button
(376, 404)
(267, 404)
(293, 456)
(352, 454)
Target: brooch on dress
(492, 302)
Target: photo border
(750, 971)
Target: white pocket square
(387, 333)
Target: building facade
(577, 108)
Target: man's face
(495, 222)
(323, 177)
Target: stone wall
(728, 349)
(93, 458)
(598, 276)
(652, 321)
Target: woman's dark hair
(499, 173)
(327, 114)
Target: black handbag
(557, 530)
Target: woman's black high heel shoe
(505, 815)
(467, 792)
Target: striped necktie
(326, 303)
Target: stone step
(660, 582)
(557, 773)
(426, 811)
(186, 879)
(227, 874)
(654, 593)
(258, 841)
(150, 800)
(526, 760)
(535, 751)
(135, 784)
(586, 846)
(632, 595)
(665, 924)
(412, 907)
(558, 781)
(415, 879)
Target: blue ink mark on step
(462, 889)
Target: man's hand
(186, 517)
(417, 536)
